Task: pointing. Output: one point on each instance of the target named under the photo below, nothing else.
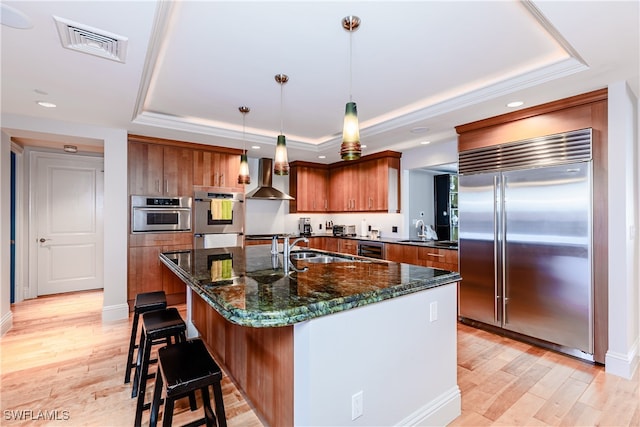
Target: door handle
(42, 240)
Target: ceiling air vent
(91, 40)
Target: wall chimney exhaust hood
(265, 190)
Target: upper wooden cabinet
(371, 184)
(308, 184)
(160, 170)
(172, 168)
(214, 169)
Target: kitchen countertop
(248, 287)
(397, 240)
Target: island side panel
(260, 361)
(400, 353)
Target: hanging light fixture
(281, 164)
(350, 148)
(243, 174)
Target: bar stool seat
(158, 327)
(144, 303)
(184, 368)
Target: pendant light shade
(243, 174)
(350, 148)
(281, 164)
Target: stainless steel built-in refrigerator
(525, 246)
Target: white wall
(115, 202)
(624, 299)
(6, 317)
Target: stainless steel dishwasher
(371, 249)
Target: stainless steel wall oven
(218, 213)
(154, 214)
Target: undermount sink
(317, 257)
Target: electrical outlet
(356, 405)
(433, 311)
(394, 229)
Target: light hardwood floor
(60, 360)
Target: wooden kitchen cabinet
(348, 246)
(308, 184)
(145, 271)
(216, 169)
(407, 254)
(158, 170)
(446, 259)
(370, 184)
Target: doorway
(66, 235)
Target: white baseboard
(6, 323)
(111, 313)
(623, 365)
(439, 412)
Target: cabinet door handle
(157, 186)
(221, 180)
(166, 186)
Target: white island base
(400, 354)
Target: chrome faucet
(420, 227)
(286, 252)
(286, 247)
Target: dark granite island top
(248, 286)
(300, 345)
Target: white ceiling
(189, 65)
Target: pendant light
(281, 164)
(350, 148)
(243, 174)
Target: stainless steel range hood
(265, 190)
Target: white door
(68, 218)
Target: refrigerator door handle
(495, 249)
(503, 254)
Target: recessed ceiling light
(363, 146)
(322, 157)
(515, 104)
(255, 147)
(425, 142)
(419, 129)
(46, 104)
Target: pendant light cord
(281, 110)
(350, 65)
(244, 141)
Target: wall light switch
(433, 311)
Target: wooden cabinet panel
(446, 259)
(213, 169)
(160, 171)
(178, 171)
(146, 169)
(145, 271)
(308, 185)
(348, 246)
(260, 360)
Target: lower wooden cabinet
(145, 271)
(446, 259)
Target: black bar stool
(184, 368)
(158, 327)
(144, 303)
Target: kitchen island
(350, 342)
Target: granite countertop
(248, 286)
